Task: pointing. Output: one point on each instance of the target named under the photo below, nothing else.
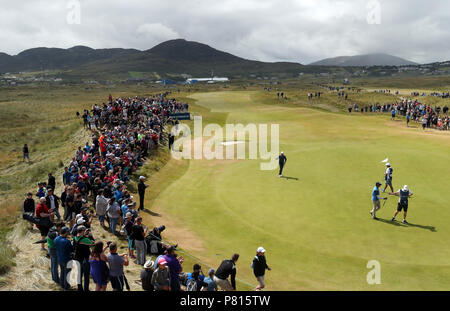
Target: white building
(208, 80)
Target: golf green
(316, 227)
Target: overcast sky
(268, 30)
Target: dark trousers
(54, 265)
(141, 201)
(175, 285)
(85, 275)
(281, 169)
(63, 275)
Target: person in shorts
(116, 263)
(403, 194)
(259, 266)
(44, 214)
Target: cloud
(268, 30)
(156, 32)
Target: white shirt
(52, 202)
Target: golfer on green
(281, 161)
(376, 200)
(403, 195)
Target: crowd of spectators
(95, 193)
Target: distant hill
(174, 57)
(170, 59)
(364, 60)
(179, 56)
(56, 58)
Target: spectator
(161, 279)
(259, 266)
(82, 244)
(87, 217)
(64, 254)
(116, 263)
(209, 281)
(43, 214)
(195, 279)
(146, 276)
(70, 207)
(28, 208)
(66, 176)
(99, 268)
(227, 268)
(41, 190)
(51, 181)
(175, 268)
(26, 153)
(124, 207)
(52, 234)
(101, 205)
(138, 235)
(79, 222)
(52, 202)
(113, 211)
(129, 231)
(154, 240)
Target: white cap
(388, 164)
(282, 152)
(405, 188)
(260, 250)
(80, 221)
(142, 177)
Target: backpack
(191, 285)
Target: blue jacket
(63, 249)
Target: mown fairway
(317, 230)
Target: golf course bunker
(234, 142)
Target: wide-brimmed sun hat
(150, 263)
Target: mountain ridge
(169, 59)
(373, 59)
